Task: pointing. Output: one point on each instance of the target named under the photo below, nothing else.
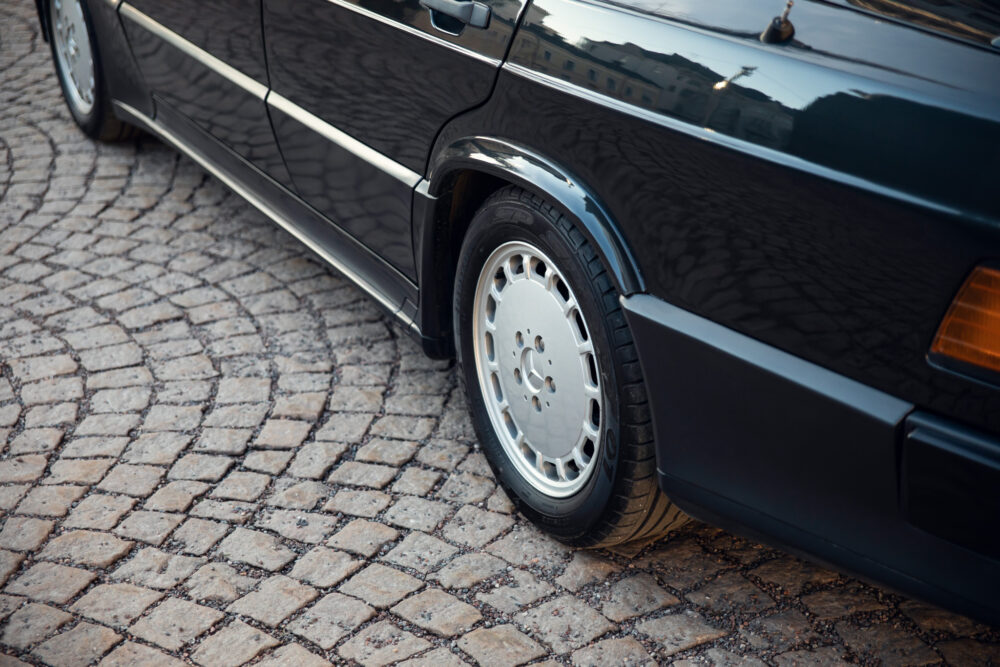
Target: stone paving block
(564, 623)
(380, 586)
(314, 459)
(308, 527)
(149, 527)
(935, 619)
(358, 503)
(51, 415)
(100, 446)
(172, 418)
(232, 511)
(324, 567)
(77, 471)
(417, 513)
(35, 440)
(22, 468)
(255, 548)
(354, 473)
(197, 536)
(731, 591)
(241, 485)
(50, 500)
(887, 644)
(174, 623)
(282, 434)
(380, 644)
(107, 424)
(626, 652)
(585, 569)
(390, 452)
(468, 570)
(303, 495)
(156, 569)
(86, 547)
(79, 647)
(223, 440)
(50, 582)
(465, 488)
(234, 645)
(132, 399)
(363, 537)
(132, 480)
(403, 428)
(779, 632)
(132, 654)
(117, 605)
(218, 582)
(243, 390)
(32, 623)
(345, 427)
(836, 603)
(237, 416)
(11, 495)
(52, 391)
(441, 657)
(292, 655)
(330, 619)
(269, 461)
(679, 631)
(526, 545)
(633, 596)
(175, 496)
(160, 448)
(276, 599)
(438, 612)
(201, 467)
(306, 406)
(443, 454)
(9, 562)
(420, 552)
(501, 645)
(356, 399)
(24, 533)
(416, 481)
(473, 527)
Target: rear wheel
(556, 391)
(78, 66)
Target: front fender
(525, 168)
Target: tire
(70, 25)
(595, 494)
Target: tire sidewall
(499, 221)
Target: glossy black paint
(230, 32)
(121, 74)
(812, 205)
(822, 477)
(737, 204)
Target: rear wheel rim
(537, 368)
(74, 54)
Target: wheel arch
(461, 176)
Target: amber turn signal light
(970, 331)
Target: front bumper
(761, 442)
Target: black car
(730, 259)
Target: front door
(359, 90)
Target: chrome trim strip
(345, 141)
(264, 208)
(414, 31)
(248, 84)
(742, 145)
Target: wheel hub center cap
(534, 379)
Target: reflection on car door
(205, 61)
(359, 89)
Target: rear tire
(518, 250)
(77, 60)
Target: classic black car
(730, 259)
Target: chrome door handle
(471, 12)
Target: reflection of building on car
(686, 266)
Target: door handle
(476, 14)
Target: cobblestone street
(217, 450)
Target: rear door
(204, 62)
(359, 90)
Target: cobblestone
(215, 450)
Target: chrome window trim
(379, 160)
(375, 16)
(245, 82)
(233, 184)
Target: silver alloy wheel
(537, 369)
(73, 51)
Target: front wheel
(554, 383)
